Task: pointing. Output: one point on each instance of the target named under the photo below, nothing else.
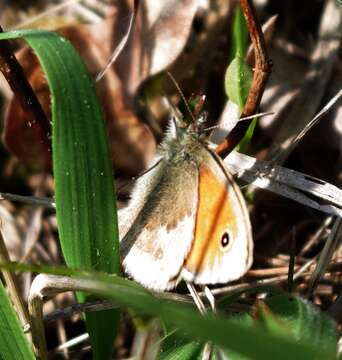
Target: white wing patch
(159, 268)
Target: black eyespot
(225, 239)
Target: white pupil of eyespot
(225, 239)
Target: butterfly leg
(208, 348)
(211, 298)
(197, 300)
(207, 351)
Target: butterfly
(187, 219)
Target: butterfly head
(191, 127)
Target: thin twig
(239, 288)
(31, 200)
(15, 76)
(262, 65)
(77, 308)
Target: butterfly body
(187, 218)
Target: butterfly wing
(143, 186)
(222, 247)
(159, 235)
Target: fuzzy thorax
(183, 143)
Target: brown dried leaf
(158, 37)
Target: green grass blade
(12, 338)
(239, 34)
(84, 187)
(176, 346)
(228, 333)
(220, 330)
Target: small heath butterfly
(187, 219)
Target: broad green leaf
(238, 77)
(13, 343)
(84, 187)
(302, 319)
(291, 317)
(238, 80)
(227, 333)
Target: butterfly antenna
(181, 94)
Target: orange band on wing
(215, 216)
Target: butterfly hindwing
(160, 236)
(222, 247)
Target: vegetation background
(296, 242)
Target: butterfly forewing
(222, 247)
